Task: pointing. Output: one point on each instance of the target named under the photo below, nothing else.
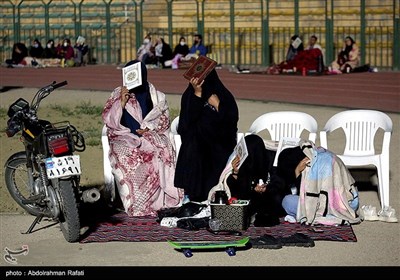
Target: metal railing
(237, 32)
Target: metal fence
(237, 32)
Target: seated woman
(256, 181)
(297, 59)
(319, 188)
(19, 53)
(141, 154)
(348, 58)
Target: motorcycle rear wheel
(16, 177)
(69, 218)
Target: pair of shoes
(265, 242)
(369, 213)
(387, 214)
(298, 240)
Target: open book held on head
(200, 68)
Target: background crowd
(64, 54)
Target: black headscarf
(348, 49)
(288, 160)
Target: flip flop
(298, 240)
(265, 242)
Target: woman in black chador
(256, 180)
(208, 127)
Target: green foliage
(65, 111)
(88, 109)
(173, 113)
(3, 113)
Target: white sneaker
(387, 214)
(169, 222)
(369, 213)
(290, 219)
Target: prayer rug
(121, 227)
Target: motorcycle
(44, 179)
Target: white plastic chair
(360, 127)
(174, 136)
(109, 181)
(174, 125)
(290, 124)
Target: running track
(379, 91)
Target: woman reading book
(256, 180)
(141, 154)
(208, 128)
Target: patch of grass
(92, 135)
(65, 111)
(88, 109)
(3, 113)
(93, 141)
(173, 113)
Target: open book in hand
(241, 151)
(132, 75)
(296, 43)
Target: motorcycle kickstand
(37, 220)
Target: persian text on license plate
(63, 166)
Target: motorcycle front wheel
(17, 182)
(69, 217)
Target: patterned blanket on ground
(121, 227)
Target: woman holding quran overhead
(208, 128)
(141, 154)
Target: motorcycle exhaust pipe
(91, 195)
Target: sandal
(298, 240)
(265, 242)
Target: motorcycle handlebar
(60, 84)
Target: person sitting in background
(309, 60)
(18, 55)
(163, 52)
(312, 43)
(141, 153)
(49, 56)
(348, 58)
(66, 53)
(145, 52)
(197, 49)
(81, 51)
(296, 46)
(180, 50)
(36, 49)
(50, 50)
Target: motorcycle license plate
(58, 167)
